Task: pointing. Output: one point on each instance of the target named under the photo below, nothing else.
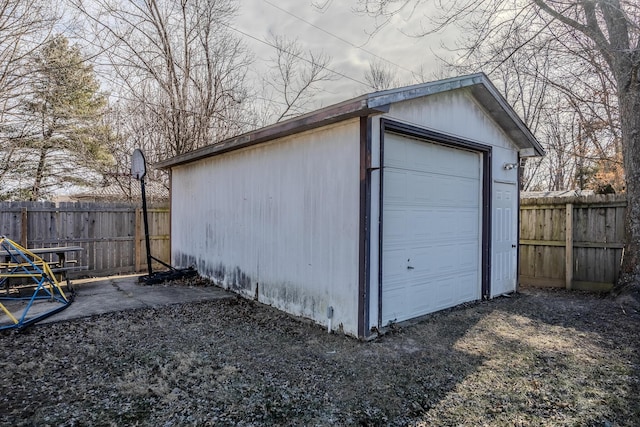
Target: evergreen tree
(64, 109)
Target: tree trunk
(629, 98)
(35, 190)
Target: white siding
(280, 220)
(457, 113)
(454, 113)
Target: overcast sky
(287, 18)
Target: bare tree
(380, 76)
(24, 26)
(294, 80)
(179, 62)
(552, 92)
(602, 33)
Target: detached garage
(376, 210)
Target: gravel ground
(540, 357)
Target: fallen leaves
(538, 358)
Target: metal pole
(146, 226)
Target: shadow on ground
(537, 358)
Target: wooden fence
(564, 242)
(112, 234)
(575, 242)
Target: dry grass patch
(539, 358)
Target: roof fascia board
(506, 110)
(479, 86)
(353, 108)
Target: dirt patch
(538, 358)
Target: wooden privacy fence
(564, 242)
(112, 234)
(574, 242)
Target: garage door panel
(444, 294)
(423, 297)
(450, 291)
(440, 221)
(401, 225)
(468, 194)
(392, 311)
(395, 231)
(438, 190)
(411, 226)
(416, 219)
(444, 259)
(462, 192)
(430, 189)
(467, 221)
(420, 257)
(412, 154)
(395, 154)
(431, 228)
(467, 293)
(468, 257)
(442, 160)
(423, 189)
(395, 263)
(395, 185)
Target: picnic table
(58, 258)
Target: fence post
(24, 227)
(137, 240)
(568, 259)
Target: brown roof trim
(478, 85)
(356, 107)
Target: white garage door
(431, 248)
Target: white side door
(504, 244)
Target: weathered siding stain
(280, 219)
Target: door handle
(513, 246)
(409, 267)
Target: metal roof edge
(497, 105)
(512, 115)
(406, 93)
(355, 107)
(375, 103)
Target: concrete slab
(118, 293)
